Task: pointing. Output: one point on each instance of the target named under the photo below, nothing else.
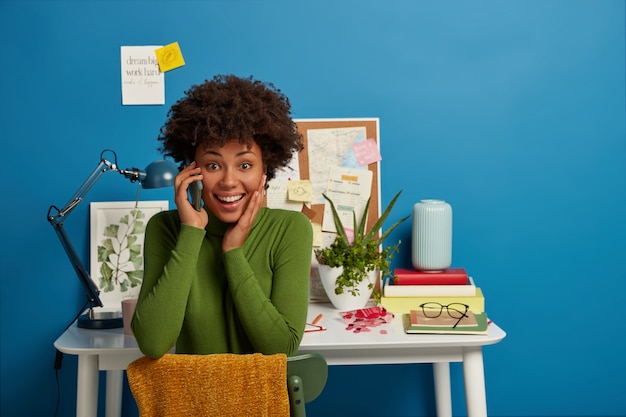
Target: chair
(306, 379)
(226, 384)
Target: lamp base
(101, 320)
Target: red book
(449, 276)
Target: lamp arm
(93, 297)
(56, 217)
(78, 196)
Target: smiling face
(231, 175)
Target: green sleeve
(170, 253)
(275, 324)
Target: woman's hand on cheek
(188, 215)
(237, 233)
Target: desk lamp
(156, 175)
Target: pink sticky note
(349, 234)
(366, 152)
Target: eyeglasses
(455, 310)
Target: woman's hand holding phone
(184, 183)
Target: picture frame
(117, 231)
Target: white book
(391, 290)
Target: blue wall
(512, 111)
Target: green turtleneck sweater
(250, 299)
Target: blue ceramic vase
(432, 235)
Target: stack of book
(412, 288)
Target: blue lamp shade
(159, 174)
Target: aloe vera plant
(365, 253)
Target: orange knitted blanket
(221, 385)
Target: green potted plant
(351, 268)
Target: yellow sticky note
(317, 235)
(169, 57)
(300, 190)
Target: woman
(232, 277)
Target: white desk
(112, 351)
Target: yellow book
(404, 305)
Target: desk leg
(115, 380)
(474, 375)
(87, 386)
(443, 395)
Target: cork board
(308, 127)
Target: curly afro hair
(229, 107)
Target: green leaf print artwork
(119, 253)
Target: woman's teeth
(230, 199)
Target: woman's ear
(266, 176)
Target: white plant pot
(346, 301)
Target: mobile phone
(195, 193)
